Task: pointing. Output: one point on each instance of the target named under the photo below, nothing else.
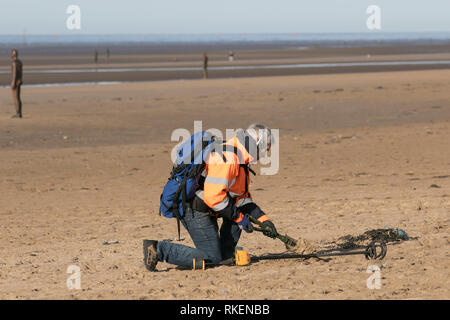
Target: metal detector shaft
(376, 250)
(306, 256)
(288, 241)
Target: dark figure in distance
(205, 66)
(230, 56)
(16, 82)
(95, 56)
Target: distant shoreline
(171, 43)
(224, 37)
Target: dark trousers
(17, 100)
(211, 244)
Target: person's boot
(150, 254)
(17, 115)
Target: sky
(225, 16)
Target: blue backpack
(184, 178)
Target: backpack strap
(220, 149)
(176, 212)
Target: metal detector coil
(376, 250)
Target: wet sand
(46, 64)
(361, 151)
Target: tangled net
(386, 235)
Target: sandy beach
(82, 172)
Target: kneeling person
(224, 194)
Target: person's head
(14, 54)
(263, 137)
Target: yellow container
(242, 257)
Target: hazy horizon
(228, 33)
(306, 39)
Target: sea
(332, 39)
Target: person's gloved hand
(244, 223)
(269, 229)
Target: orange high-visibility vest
(223, 178)
(227, 178)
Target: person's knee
(211, 256)
(214, 258)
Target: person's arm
(14, 73)
(253, 210)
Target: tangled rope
(360, 241)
